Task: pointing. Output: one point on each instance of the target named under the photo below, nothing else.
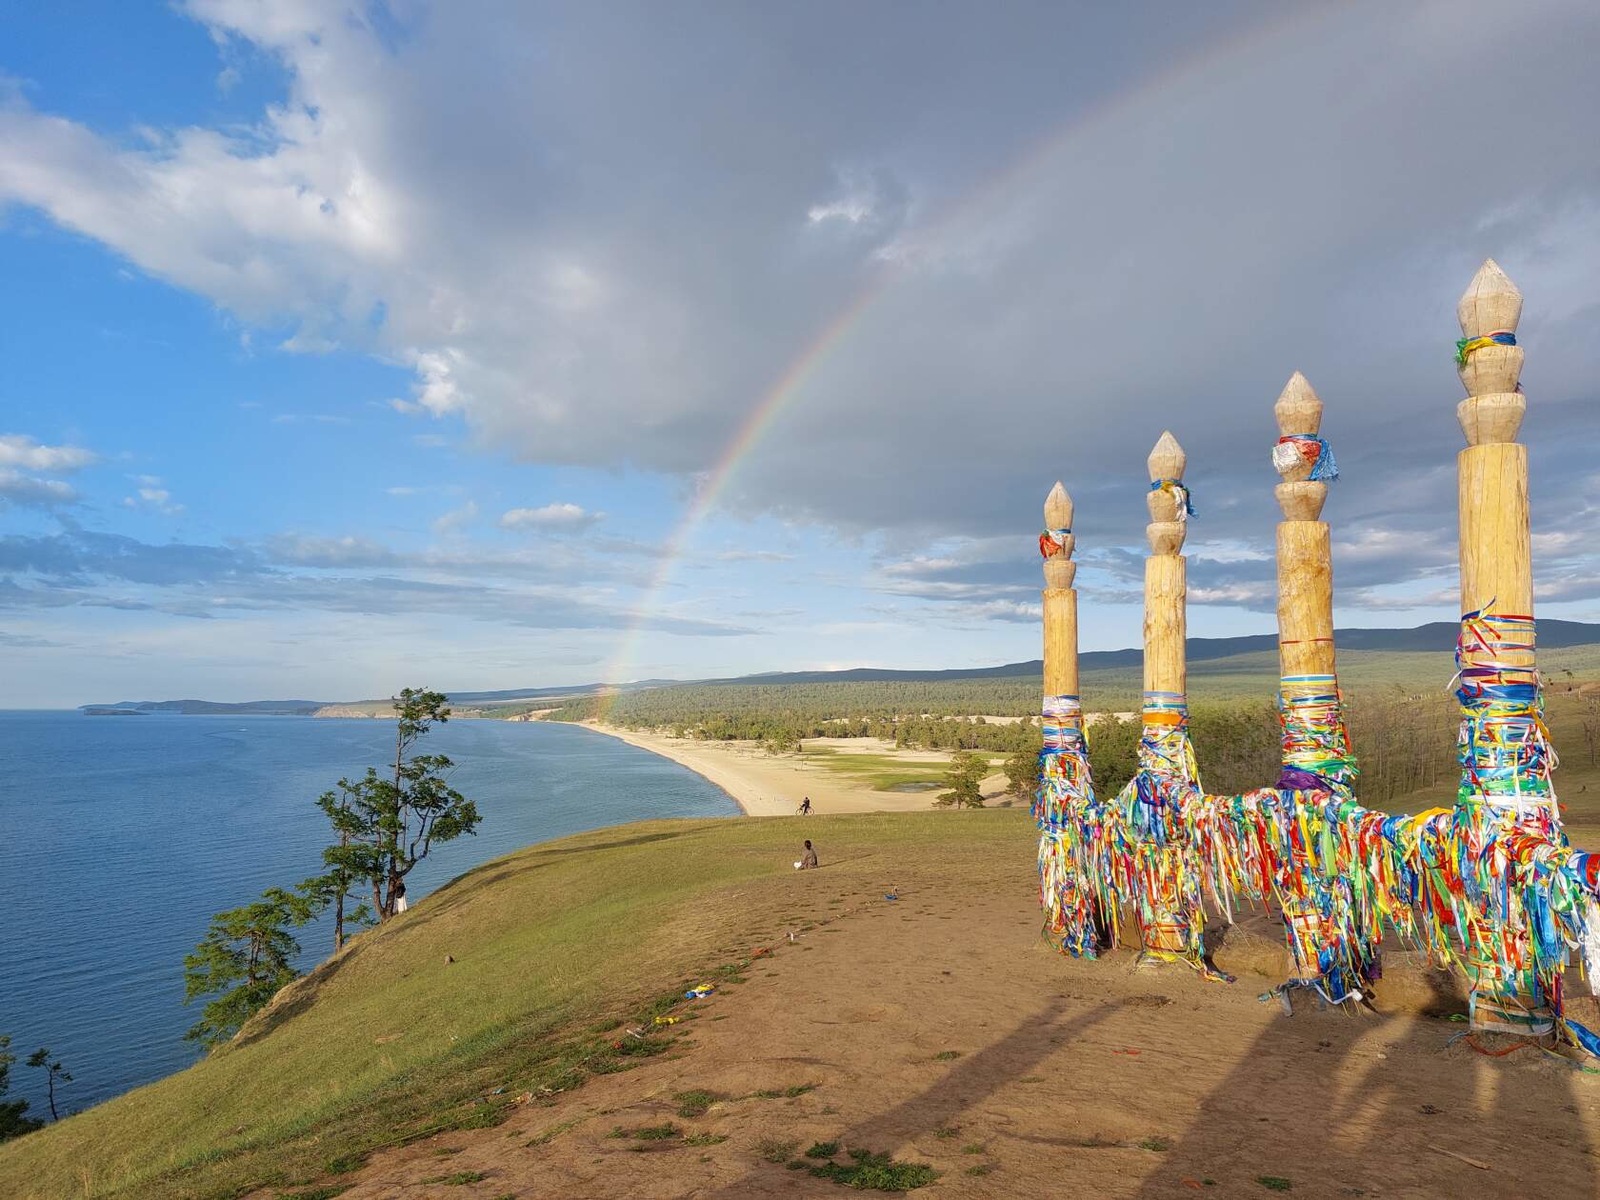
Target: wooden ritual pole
(1316, 751)
(1305, 560)
(1066, 889)
(1060, 597)
(1505, 756)
(1170, 919)
(1165, 585)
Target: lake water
(120, 836)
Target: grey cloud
(81, 568)
(29, 491)
(1015, 253)
(27, 641)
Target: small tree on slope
(246, 955)
(386, 826)
(55, 1074)
(14, 1120)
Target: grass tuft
(870, 1172)
(774, 1151)
(695, 1103)
(823, 1150)
(1274, 1183)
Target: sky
(347, 346)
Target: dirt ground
(939, 1028)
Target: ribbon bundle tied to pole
(1053, 542)
(1467, 347)
(1179, 493)
(1309, 448)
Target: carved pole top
(1488, 358)
(1167, 460)
(1057, 543)
(1491, 303)
(1298, 409)
(1299, 414)
(1058, 508)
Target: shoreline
(773, 785)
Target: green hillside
(391, 1040)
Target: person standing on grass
(400, 904)
(808, 860)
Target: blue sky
(349, 346)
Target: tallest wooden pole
(1505, 794)
(1496, 545)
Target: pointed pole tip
(1058, 507)
(1298, 387)
(1491, 278)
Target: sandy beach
(773, 785)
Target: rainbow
(791, 383)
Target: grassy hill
(391, 1041)
(519, 978)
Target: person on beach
(808, 860)
(400, 904)
(805, 807)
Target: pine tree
(55, 1074)
(14, 1120)
(386, 826)
(963, 779)
(247, 956)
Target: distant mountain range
(1437, 636)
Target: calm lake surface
(120, 836)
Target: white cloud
(152, 494)
(854, 211)
(310, 418)
(456, 518)
(550, 516)
(19, 450)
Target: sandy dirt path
(939, 1029)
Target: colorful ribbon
(1306, 448)
(1179, 493)
(1467, 347)
(1491, 886)
(1053, 542)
